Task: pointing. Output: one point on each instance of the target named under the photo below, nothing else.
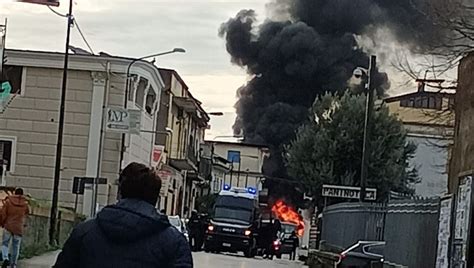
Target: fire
(286, 213)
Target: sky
(135, 28)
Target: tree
(328, 149)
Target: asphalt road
(201, 260)
(210, 260)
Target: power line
(82, 35)
(74, 20)
(55, 12)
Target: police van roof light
(251, 190)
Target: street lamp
(216, 113)
(370, 74)
(127, 86)
(127, 89)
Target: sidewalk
(44, 261)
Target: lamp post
(59, 144)
(127, 89)
(367, 126)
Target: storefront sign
(348, 192)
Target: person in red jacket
(14, 212)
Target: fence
(411, 232)
(345, 224)
(409, 228)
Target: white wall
(431, 160)
(140, 146)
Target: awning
(187, 104)
(183, 164)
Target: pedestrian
(295, 242)
(194, 226)
(201, 231)
(274, 229)
(13, 215)
(130, 233)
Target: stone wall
(36, 239)
(462, 159)
(32, 119)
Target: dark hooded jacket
(129, 234)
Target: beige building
(181, 124)
(428, 117)
(237, 164)
(29, 125)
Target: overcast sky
(140, 27)
(136, 28)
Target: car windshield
(233, 201)
(233, 214)
(287, 228)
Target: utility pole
(367, 127)
(59, 145)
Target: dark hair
(139, 182)
(19, 191)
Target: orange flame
(286, 213)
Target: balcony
(188, 161)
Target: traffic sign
(78, 184)
(348, 192)
(123, 120)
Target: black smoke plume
(315, 50)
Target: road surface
(209, 260)
(201, 260)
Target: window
(423, 102)
(131, 86)
(140, 92)
(150, 101)
(233, 156)
(14, 75)
(7, 153)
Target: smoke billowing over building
(305, 48)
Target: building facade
(428, 118)
(180, 130)
(237, 164)
(29, 125)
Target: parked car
(179, 224)
(284, 236)
(364, 254)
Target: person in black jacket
(130, 233)
(295, 243)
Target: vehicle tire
(278, 256)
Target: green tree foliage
(328, 149)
